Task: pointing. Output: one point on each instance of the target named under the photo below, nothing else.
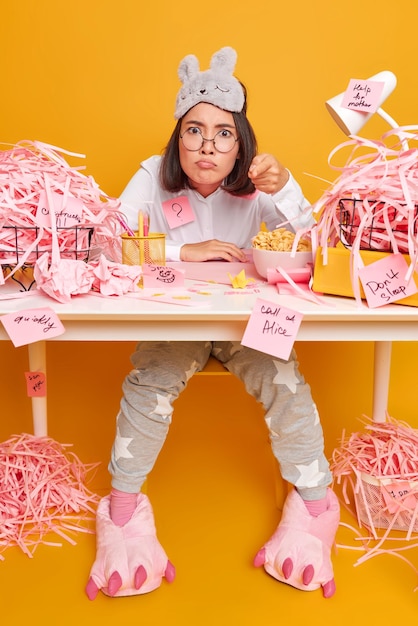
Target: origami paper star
(240, 280)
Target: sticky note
(363, 95)
(35, 384)
(161, 275)
(178, 211)
(272, 328)
(67, 213)
(30, 325)
(384, 281)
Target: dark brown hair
(173, 178)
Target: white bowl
(271, 259)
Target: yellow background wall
(99, 77)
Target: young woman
(211, 168)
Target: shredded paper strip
(42, 491)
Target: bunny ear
(217, 86)
(188, 68)
(224, 61)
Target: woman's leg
(161, 371)
(129, 558)
(291, 415)
(299, 552)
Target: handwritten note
(272, 329)
(65, 216)
(363, 95)
(32, 325)
(159, 275)
(178, 211)
(35, 384)
(399, 495)
(384, 281)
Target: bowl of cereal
(274, 249)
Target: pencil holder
(137, 250)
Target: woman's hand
(267, 174)
(211, 250)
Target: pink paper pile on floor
(378, 473)
(42, 491)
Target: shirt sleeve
(172, 250)
(294, 206)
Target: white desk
(93, 318)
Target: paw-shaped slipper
(299, 552)
(129, 558)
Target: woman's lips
(205, 165)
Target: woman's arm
(272, 177)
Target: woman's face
(206, 168)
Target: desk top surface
(198, 301)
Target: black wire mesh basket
(74, 242)
(383, 225)
(22, 246)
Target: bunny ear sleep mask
(217, 85)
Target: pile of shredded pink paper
(377, 193)
(44, 201)
(378, 473)
(42, 491)
(58, 222)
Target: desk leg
(382, 359)
(37, 363)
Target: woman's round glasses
(193, 140)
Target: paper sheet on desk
(216, 271)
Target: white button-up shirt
(219, 216)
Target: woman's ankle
(122, 506)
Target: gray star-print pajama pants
(161, 371)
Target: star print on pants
(310, 476)
(163, 407)
(121, 446)
(286, 375)
(191, 371)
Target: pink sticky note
(32, 325)
(35, 384)
(363, 95)
(66, 215)
(384, 280)
(272, 328)
(161, 275)
(399, 495)
(178, 211)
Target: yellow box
(334, 277)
